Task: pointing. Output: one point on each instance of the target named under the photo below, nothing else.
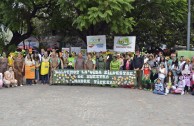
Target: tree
(18, 15)
(160, 22)
(94, 17)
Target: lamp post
(189, 25)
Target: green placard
(186, 54)
(96, 77)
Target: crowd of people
(155, 72)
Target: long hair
(171, 76)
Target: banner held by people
(96, 43)
(124, 43)
(95, 77)
(77, 50)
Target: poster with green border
(94, 77)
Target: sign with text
(96, 43)
(96, 77)
(64, 50)
(77, 50)
(124, 43)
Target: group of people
(154, 72)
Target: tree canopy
(152, 21)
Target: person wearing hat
(137, 64)
(159, 87)
(151, 60)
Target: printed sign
(186, 54)
(96, 43)
(84, 52)
(124, 44)
(64, 50)
(96, 77)
(77, 50)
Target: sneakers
(182, 93)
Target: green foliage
(160, 22)
(2, 39)
(153, 22)
(95, 14)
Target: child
(169, 81)
(146, 76)
(159, 87)
(187, 81)
(179, 88)
(153, 76)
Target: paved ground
(43, 105)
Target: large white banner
(124, 43)
(96, 43)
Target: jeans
(45, 79)
(29, 81)
(158, 92)
(37, 73)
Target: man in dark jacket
(137, 64)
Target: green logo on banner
(124, 41)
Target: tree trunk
(17, 38)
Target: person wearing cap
(115, 64)
(159, 87)
(137, 64)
